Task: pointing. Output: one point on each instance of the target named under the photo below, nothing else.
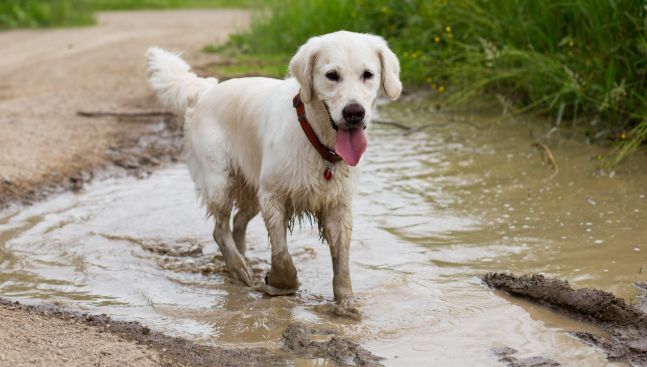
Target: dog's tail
(173, 82)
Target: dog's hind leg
(283, 274)
(236, 264)
(248, 208)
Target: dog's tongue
(350, 145)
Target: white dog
(247, 148)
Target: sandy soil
(46, 76)
(57, 342)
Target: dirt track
(46, 76)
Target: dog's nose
(353, 113)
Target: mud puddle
(435, 209)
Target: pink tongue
(350, 145)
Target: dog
(285, 148)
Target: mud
(167, 350)
(149, 144)
(626, 324)
(642, 296)
(184, 247)
(506, 355)
(297, 339)
(173, 351)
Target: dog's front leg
(283, 275)
(338, 228)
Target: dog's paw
(348, 307)
(273, 291)
(238, 269)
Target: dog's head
(347, 71)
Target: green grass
(65, 13)
(235, 64)
(583, 62)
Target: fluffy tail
(173, 82)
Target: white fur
(171, 79)
(245, 148)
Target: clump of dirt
(184, 247)
(505, 355)
(626, 324)
(297, 339)
(642, 297)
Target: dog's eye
(332, 75)
(367, 74)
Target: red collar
(325, 152)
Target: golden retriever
(247, 150)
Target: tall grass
(56, 13)
(581, 61)
(32, 14)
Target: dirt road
(46, 76)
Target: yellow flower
(433, 85)
(441, 89)
(437, 39)
(448, 29)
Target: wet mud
(177, 351)
(297, 339)
(507, 355)
(626, 324)
(642, 296)
(147, 145)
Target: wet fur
(246, 151)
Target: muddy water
(434, 209)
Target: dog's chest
(316, 193)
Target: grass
(583, 62)
(65, 13)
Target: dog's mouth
(351, 143)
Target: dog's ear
(302, 65)
(390, 69)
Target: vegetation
(581, 61)
(54, 13)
